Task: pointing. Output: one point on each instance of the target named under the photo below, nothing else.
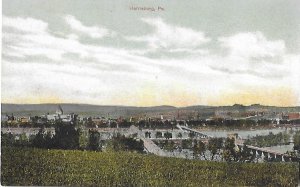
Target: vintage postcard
(150, 93)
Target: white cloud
(252, 45)
(36, 61)
(42, 43)
(292, 63)
(93, 31)
(30, 25)
(253, 54)
(171, 37)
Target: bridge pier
(262, 153)
(174, 135)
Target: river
(244, 134)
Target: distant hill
(126, 111)
(82, 109)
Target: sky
(121, 52)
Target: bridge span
(185, 128)
(151, 147)
(265, 152)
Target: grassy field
(25, 166)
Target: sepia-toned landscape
(150, 93)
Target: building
(294, 115)
(24, 119)
(59, 115)
(59, 110)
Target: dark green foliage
(297, 141)
(168, 145)
(199, 149)
(66, 136)
(39, 140)
(214, 123)
(214, 146)
(168, 135)
(7, 139)
(94, 140)
(186, 144)
(269, 140)
(229, 151)
(158, 134)
(122, 143)
(49, 140)
(192, 134)
(22, 140)
(43, 140)
(23, 166)
(245, 155)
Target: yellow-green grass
(27, 166)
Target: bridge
(151, 147)
(198, 133)
(26, 131)
(265, 152)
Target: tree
(168, 135)
(246, 155)
(23, 140)
(214, 146)
(199, 149)
(39, 140)
(168, 145)
(297, 141)
(94, 140)
(83, 139)
(158, 135)
(7, 139)
(66, 136)
(49, 141)
(229, 152)
(192, 135)
(122, 143)
(186, 144)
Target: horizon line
(148, 106)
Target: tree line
(218, 149)
(269, 140)
(68, 136)
(160, 124)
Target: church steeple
(59, 110)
